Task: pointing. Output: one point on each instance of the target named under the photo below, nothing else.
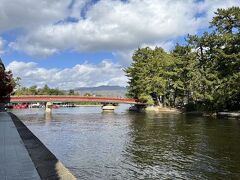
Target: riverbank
(156, 109)
(161, 109)
(46, 163)
(15, 162)
(89, 105)
(229, 114)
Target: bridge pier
(48, 107)
(110, 107)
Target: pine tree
(149, 75)
(205, 72)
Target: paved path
(15, 162)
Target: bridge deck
(18, 99)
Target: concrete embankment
(46, 163)
(15, 162)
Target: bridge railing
(72, 98)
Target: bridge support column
(48, 107)
(108, 107)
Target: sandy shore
(161, 109)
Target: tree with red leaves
(6, 84)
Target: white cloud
(210, 6)
(30, 14)
(113, 25)
(81, 75)
(125, 56)
(108, 25)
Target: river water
(128, 145)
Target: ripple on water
(123, 145)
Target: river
(129, 145)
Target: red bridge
(109, 103)
(103, 100)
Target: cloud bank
(81, 75)
(111, 25)
(44, 27)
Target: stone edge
(46, 163)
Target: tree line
(203, 73)
(45, 90)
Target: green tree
(45, 90)
(226, 25)
(87, 94)
(186, 76)
(71, 92)
(204, 72)
(33, 90)
(218, 56)
(150, 75)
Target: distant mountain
(101, 88)
(112, 91)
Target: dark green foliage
(33, 90)
(149, 76)
(71, 92)
(204, 73)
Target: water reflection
(48, 117)
(183, 147)
(159, 146)
(124, 145)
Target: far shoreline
(160, 109)
(97, 105)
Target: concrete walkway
(15, 162)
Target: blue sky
(63, 59)
(76, 43)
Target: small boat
(55, 107)
(37, 105)
(20, 106)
